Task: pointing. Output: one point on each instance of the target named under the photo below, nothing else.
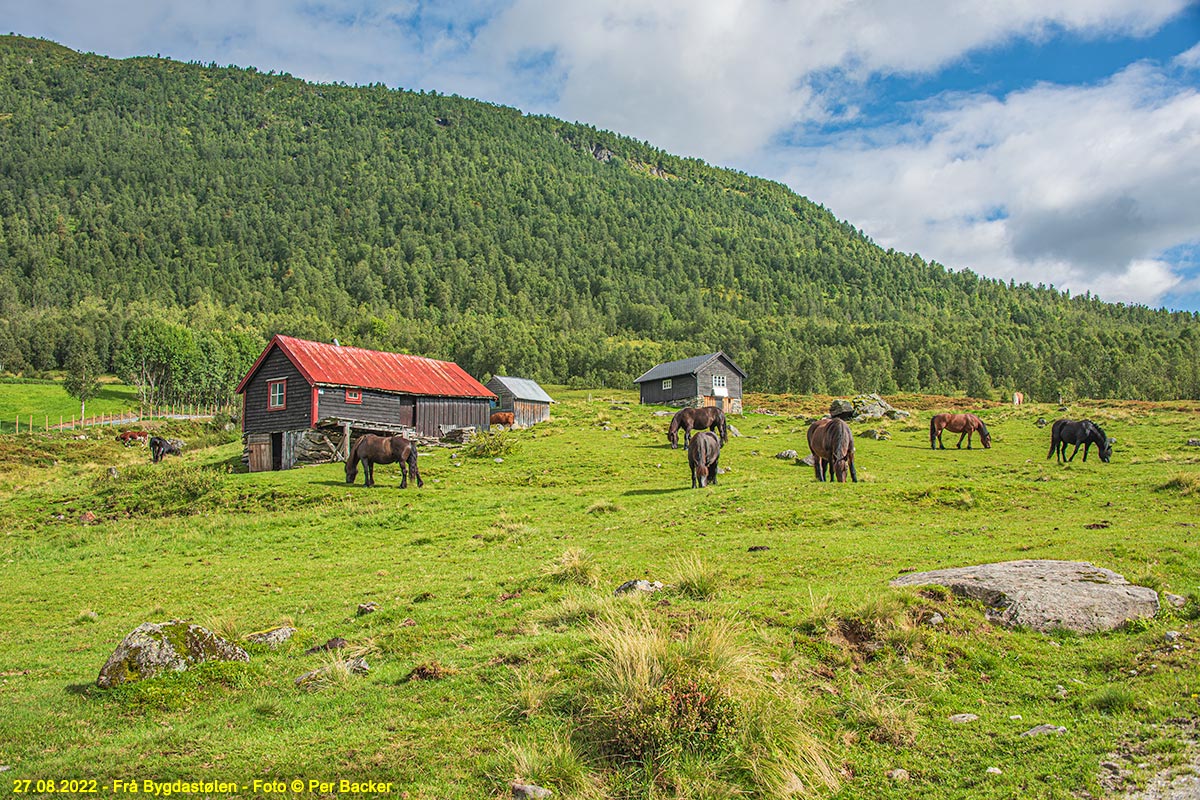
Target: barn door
(259, 447)
(709, 400)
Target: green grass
(45, 403)
(498, 651)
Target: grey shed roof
(686, 366)
(523, 388)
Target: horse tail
(724, 428)
(932, 429)
(1055, 432)
(841, 446)
(352, 463)
(412, 465)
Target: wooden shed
(296, 386)
(709, 380)
(528, 402)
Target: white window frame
(666, 384)
(719, 382)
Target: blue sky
(1048, 141)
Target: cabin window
(718, 381)
(354, 396)
(277, 395)
(666, 384)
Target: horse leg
(412, 466)
(819, 467)
(368, 472)
(1073, 452)
(713, 471)
(962, 436)
(941, 446)
(853, 473)
(1086, 445)
(403, 475)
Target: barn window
(666, 383)
(718, 381)
(277, 395)
(354, 396)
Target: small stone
(1171, 636)
(272, 637)
(1133, 673)
(113, 473)
(87, 517)
(1044, 730)
(4, 767)
(935, 619)
(787, 455)
(408, 623)
(498, 460)
(336, 643)
(757, 548)
(640, 585)
(1175, 600)
(521, 791)
(1060, 691)
(1193, 442)
(1041, 423)
(963, 719)
(994, 771)
(899, 775)
(367, 608)
(1014, 717)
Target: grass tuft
(574, 566)
(1111, 700)
(603, 507)
(1186, 483)
(694, 579)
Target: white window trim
(666, 384)
(719, 381)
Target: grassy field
(776, 662)
(46, 402)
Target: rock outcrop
(1046, 595)
(153, 648)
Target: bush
(491, 444)
(574, 566)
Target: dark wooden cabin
(711, 380)
(297, 385)
(528, 402)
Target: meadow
(776, 661)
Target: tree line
(169, 218)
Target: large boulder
(1046, 595)
(841, 409)
(153, 648)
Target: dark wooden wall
(733, 381)
(381, 407)
(683, 387)
(435, 413)
(297, 415)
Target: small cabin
(297, 387)
(709, 380)
(527, 401)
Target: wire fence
(42, 423)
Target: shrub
(491, 444)
(574, 566)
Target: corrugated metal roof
(523, 388)
(334, 365)
(686, 366)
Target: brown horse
(966, 424)
(371, 450)
(691, 419)
(832, 446)
(704, 450)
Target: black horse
(1084, 432)
(160, 447)
(704, 450)
(832, 446)
(691, 419)
(371, 450)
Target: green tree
(82, 380)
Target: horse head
(673, 438)
(985, 436)
(1106, 450)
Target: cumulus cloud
(1075, 186)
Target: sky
(1052, 142)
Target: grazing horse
(966, 424)
(1085, 432)
(133, 437)
(160, 447)
(371, 450)
(503, 418)
(703, 452)
(691, 419)
(832, 445)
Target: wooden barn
(296, 386)
(527, 401)
(711, 380)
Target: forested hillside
(184, 212)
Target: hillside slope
(225, 199)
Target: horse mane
(840, 443)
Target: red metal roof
(334, 365)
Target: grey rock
(1041, 422)
(1193, 442)
(899, 775)
(808, 460)
(877, 434)
(272, 637)
(1046, 595)
(113, 473)
(994, 771)
(935, 619)
(1171, 636)
(336, 643)
(639, 585)
(369, 607)
(153, 648)
(4, 767)
(787, 455)
(843, 409)
(963, 719)
(1045, 730)
(501, 460)
(896, 413)
(520, 791)
(732, 430)
(664, 413)
(1175, 600)
(354, 666)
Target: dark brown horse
(371, 450)
(965, 424)
(1085, 432)
(704, 450)
(691, 419)
(832, 446)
